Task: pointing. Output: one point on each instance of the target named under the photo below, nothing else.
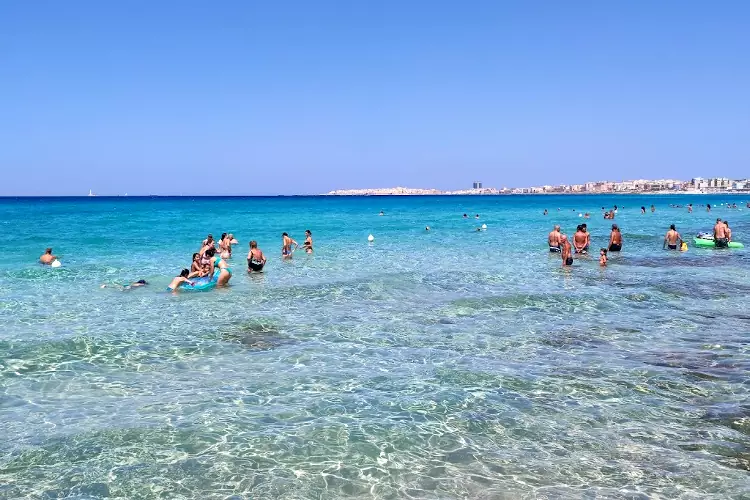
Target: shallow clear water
(448, 364)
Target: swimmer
(720, 235)
(255, 258)
(286, 246)
(708, 207)
(653, 209)
(587, 215)
(47, 258)
(553, 239)
(476, 216)
(565, 251)
(545, 212)
(427, 228)
(180, 280)
(603, 257)
(135, 284)
(690, 208)
(216, 261)
(579, 240)
(466, 216)
(615, 239)
(381, 213)
(643, 210)
(225, 249)
(308, 243)
(671, 238)
(197, 268)
(232, 240)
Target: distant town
(697, 185)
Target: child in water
(603, 257)
(179, 281)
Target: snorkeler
(135, 284)
(180, 280)
(553, 239)
(671, 238)
(286, 246)
(217, 262)
(255, 258)
(47, 258)
(615, 239)
(308, 243)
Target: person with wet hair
(672, 238)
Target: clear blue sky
(254, 97)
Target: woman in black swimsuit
(255, 258)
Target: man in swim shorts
(553, 239)
(615, 239)
(255, 258)
(47, 258)
(671, 238)
(286, 246)
(720, 235)
(566, 251)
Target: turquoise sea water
(448, 364)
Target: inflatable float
(709, 243)
(202, 284)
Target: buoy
(371, 238)
(484, 226)
(580, 215)
(56, 263)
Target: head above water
(210, 237)
(563, 237)
(211, 252)
(603, 251)
(144, 282)
(557, 227)
(196, 256)
(284, 235)
(223, 235)
(184, 273)
(48, 251)
(671, 227)
(308, 232)
(615, 228)
(253, 244)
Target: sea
(440, 364)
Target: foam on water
(442, 364)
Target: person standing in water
(286, 246)
(553, 239)
(308, 243)
(603, 257)
(566, 251)
(225, 250)
(216, 262)
(47, 258)
(615, 239)
(255, 258)
(728, 232)
(579, 240)
(671, 238)
(720, 235)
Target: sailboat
(91, 193)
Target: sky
(301, 97)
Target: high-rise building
(477, 185)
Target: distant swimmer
(615, 210)
(198, 269)
(587, 215)
(553, 239)
(720, 235)
(286, 246)
(672, 238)
(653, 209)
(545, 212)
(427, 228)
(135, 284)
(690, 208)
(466, 216)
(603, 257)
(615, 239)
(180, 280)
(476, 216)
(225, 248)
(643, 210)
(381, 213)
(47, 258)
(579, 240)
(565, 251)
(225, 273)
(255, 258)
(308, 243)
(708, 207)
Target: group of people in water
(559, 243)
(212, 260)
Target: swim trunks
(255, 265)
(614, 247)
(672, 247)
(554, 249)
(569, 261)
(721, 243)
